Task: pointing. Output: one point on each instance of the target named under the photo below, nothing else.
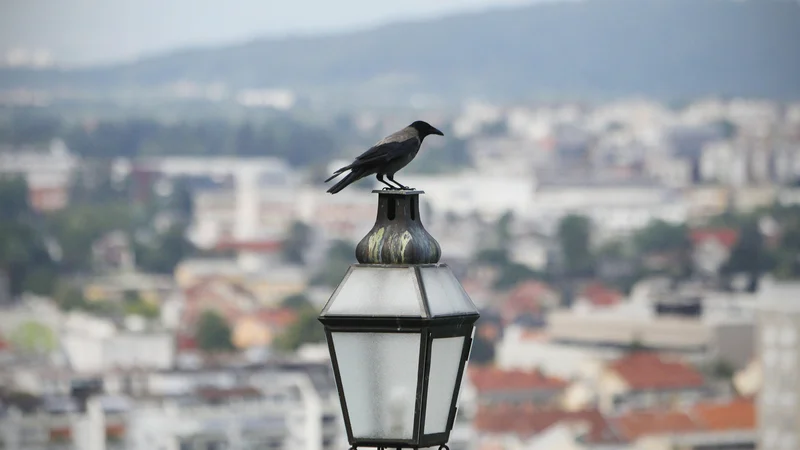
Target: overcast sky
(95, 31)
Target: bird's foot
(406, 188)
(387, 188)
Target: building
(779, 325)
(48, 173)
(514, 387)
(727, 424)
(644, 380)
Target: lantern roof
(405, 291)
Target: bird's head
(425, 129)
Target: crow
(386, 157)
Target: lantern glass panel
(379, 373)
(377, 291)
(444, 293)
(445, 359)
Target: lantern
(399, 329)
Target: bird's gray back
(399, 136)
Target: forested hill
(659, 48)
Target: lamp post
(399, 329)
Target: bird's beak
(436, 131)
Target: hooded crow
(386, 157)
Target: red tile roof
(738, 414)
(645, 370)
(725, 236)
(526, 298)
(527, 420)
(636, 424)
(185, 342)
(492, 379)
(600, 295)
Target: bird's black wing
(387, 151)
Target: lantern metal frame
(428, 328)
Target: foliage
(306, 329)
(297, 302)
(297, 142)
(660, 236)
(33, 337)
(164, 251)
(574, 235)
(137, 306)
(296, 243)
(69, 298)
(483, 350)
(512, 274)
(723, 370)
(503, 229)
(24, 256)
(748, 256)
(76, 228)
(787, 253)
(340, 255)
(213, 333)
(493, 256)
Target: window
(788, 336)
(770, 358)
(769, 335)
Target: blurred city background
(618, 190)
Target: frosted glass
(379, 378)
(466, 365)
(375, 291)
(445, 359)
(444, 292)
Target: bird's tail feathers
(337, 173)
(351, 177)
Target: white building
(615, 208)
(93, 345)
(779, 400)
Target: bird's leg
(391, 178)
(380, 178)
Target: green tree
(307, 329)
(493, 256)
(574, 235)
(165, 251)
(298, 302)
(296, 243)
(24, 256)
(512, 274)
(133, 304)
(339, 257)
(213, 333)
(33, 337)
(483, 350)
(661, 236)
(748, 256)
(787, 254)
(503, 229)
(78, 227)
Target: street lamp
(399, 328)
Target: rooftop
(644, 370)
(732, 415)
(493, 379)
(725, 236)
(527, 420)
